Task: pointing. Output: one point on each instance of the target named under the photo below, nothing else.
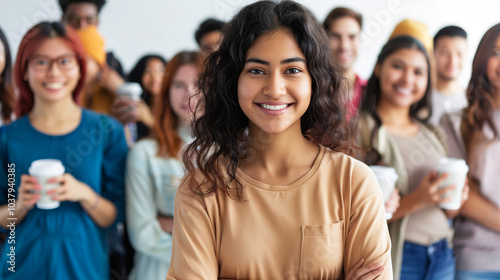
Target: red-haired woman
(67, 242)
(154, 169)
(473, 134)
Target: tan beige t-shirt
(313, 228)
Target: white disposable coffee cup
(386, 177)
(457, 173)
(43, 170)
(131, 91)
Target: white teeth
(54, 85)
(404, 91)
(273, 107)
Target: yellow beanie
(416, 30)
(93, 44)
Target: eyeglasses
(42, 63)
(75, 20)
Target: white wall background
(135, 27)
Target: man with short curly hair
(81, 13)
(209, 35)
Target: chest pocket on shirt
(322, 251)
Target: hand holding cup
(42, 170)
(392, 204)
(29, 192)
(124, 110)
(387, 178)
(110, 79)
(456, 169)
(70, 189)
(427, 193)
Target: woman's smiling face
(183, 91)
(403, 77)
(53, 71)
(493, 67)
(274, 87)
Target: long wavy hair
(137, 72)
(166, 122)
(29, 44)
(221, 125)
(373, 90)
(480, 93)
(7, 97)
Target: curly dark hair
(65, 3)
(207, 26)
(373, 92)
(220, 131)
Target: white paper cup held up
(131, 91)
(457, 173)
(386, 177)
(43, 170)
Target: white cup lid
(384, 172)
(452, 165)
(134, 90)
(46, 168)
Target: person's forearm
(101, 210)
(166, 223)
(407, 205)
(7, 216)
(482, 211)
(148, 122)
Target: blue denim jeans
(434, 262)
(476, 275)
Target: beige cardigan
(391, 156)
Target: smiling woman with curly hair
(270, 192)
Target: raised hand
(144, 113)
(110, 79)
